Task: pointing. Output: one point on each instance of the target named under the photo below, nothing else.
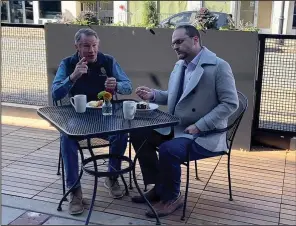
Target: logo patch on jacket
(103, 72)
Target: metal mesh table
(92, 124)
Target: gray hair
(86, 32)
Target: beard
(182, 55)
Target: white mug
(129, 109)
(79, 103)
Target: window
(294, 16)
(180, 18)
(4, 11)
(49, 9)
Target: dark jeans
(69, 150)
(165, 172)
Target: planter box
(148, 59)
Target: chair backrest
(235, 119)
(61, 102)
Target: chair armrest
(209, 132)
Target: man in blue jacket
(89, 72)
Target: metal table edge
(76, 136)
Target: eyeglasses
(179, 41)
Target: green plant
(150, 17)
(205, 19)
(241, 27)
(87, 18)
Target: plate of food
(95, 104)
(144, 106)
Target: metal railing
(276, 84)
(24, 75)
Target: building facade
(262, 14)
(266, 15)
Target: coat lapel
(174, 86)
(207, 57)
(196, 75)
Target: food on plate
(142, 105)
(95, 104)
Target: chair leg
(59, 164)
(63, 179)
(125, 185)
(145, 189)
(186, 192)
(229, 179)
(196, 174)
(130, 173)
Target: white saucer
(152, 107)
(88, 106)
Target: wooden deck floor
(263, 182)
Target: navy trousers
(165, 171)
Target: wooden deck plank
(289, 207)
(31, 173)
(212, 217)
(263, 182)
(291, 202)
(287, 222)
(288, 216)
(28, 177)
(195, 221)
(276, 190)
(236, 212)
(229, 215)
(25, 195)
(25, 181)
(250, 181)
(247, 193)
(7, 129)
(290, 212)
(239, 206)
(243, 198)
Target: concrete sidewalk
(14, 216)
(25, 211)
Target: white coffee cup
(129, 109)
(79, 103)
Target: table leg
(138, 188)
(96, 182)
(64, 198)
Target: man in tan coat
(202, 93)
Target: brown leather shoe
(75, 204)
(150, 195)
(167, 208)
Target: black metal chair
(233, 124)
(95, 143)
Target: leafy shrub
(205, 19)
(150, 16)
(87, 18)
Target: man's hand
(110, 84)
(144, 93)
(80, 69)
(192, 129)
